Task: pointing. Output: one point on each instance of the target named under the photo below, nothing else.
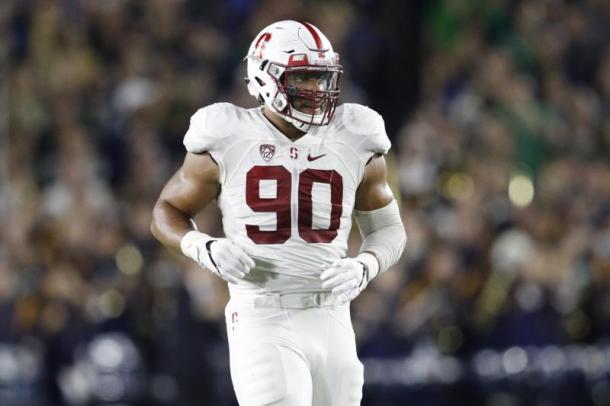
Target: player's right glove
(347, 277)
(219, 255)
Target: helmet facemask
(312, 94)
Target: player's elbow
(155, 228)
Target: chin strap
(298, 125)
(298, 119)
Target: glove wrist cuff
(208, 247)
(188, 244)
(370, 262)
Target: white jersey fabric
(288, 204)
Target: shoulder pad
(208, 130)
(368, 124)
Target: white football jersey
(287, 203)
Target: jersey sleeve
(368, 126)
(209, 130)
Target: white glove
(219, 255)
(347, 277)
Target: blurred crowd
(499, 113)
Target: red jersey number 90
(280, 204)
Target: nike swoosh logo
(313, 158)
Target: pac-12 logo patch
(267, 151)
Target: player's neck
(284, 126)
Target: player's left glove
(347, 277)
(219, 255)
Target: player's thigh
(270, 374)
(340, 385)
(263, 371)
(340, 381)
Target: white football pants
(283, 354)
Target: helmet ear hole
(259, 81)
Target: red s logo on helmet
(261, 43)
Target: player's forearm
(169, 224)
(387, 245)
(384, 240)
(383, 234)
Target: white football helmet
(289, 52)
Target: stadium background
(499, 115)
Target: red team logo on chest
(267, 151)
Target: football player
(288, 177)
